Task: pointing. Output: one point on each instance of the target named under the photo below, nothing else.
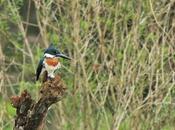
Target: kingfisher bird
(50, 62)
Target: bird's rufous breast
(52, 61)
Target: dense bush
(122, 72)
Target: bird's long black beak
(63, 56)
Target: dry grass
(122, 73)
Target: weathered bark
(30, 114)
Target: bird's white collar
(48, 55)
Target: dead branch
(30, 114)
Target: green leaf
(8, 127)
(10, 109)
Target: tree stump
(30, 114)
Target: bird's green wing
(39, 68)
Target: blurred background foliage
(122, 73)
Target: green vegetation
(122, 73)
